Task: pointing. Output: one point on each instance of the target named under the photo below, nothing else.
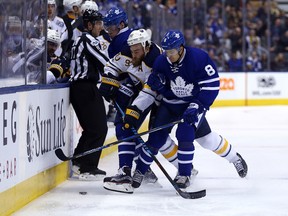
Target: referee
(87, 62)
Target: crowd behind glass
(239, 35)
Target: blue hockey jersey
(119, 42)
(193, 79)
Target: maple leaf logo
(117, 11)
(180, 89)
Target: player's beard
(137, 61)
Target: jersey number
(210, 70)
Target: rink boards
(37, 120)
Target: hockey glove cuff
(132, 116)
(59, 67)
(109, 87)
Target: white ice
(259, 134)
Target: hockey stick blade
(192, 195)
(60, 154)
(184, 194)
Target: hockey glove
(132, 116)
(59, 67)
(125, 94)
(192, 112)
(155, 83)
(108, 87)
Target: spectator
(235, 63)
(252, 40)
(279, 63)
(236, 39)
(55, 22)
(74, 26)
(283, 43)
(253, 62)
(257, 48)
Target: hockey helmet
(53, 36)
(115, 16)
(52, 2)
(88, 4)
(14, 21)
(173, 39)
(90, 15)
(139, 36)
(69, 4)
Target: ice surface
(259, 134)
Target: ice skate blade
(121, 188)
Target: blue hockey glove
(108, 87)
(192, 112)
(132, 115)
(155, 83)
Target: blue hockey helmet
(173, 39)
(115, 16)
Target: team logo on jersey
(180, 89)
(59, 23)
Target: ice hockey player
(116, 25)
(137, 62)
(189, 82)
(55, 22)
(73, 23)
(87, 63)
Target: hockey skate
(91, 175)
(182, 181)
(120, 182)
(194, 173)
(76, 169)
(241, 166)
(150, 177)
(137, 179)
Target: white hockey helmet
(53, 36)
(139, 36)
(89, 4)
(69, 4)
(14, 21)
(52, 2)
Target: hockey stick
(73, 25)
(184, 194)
(60, 154)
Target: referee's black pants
(90, 111)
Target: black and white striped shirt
(87, 58)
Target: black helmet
(90, 15)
